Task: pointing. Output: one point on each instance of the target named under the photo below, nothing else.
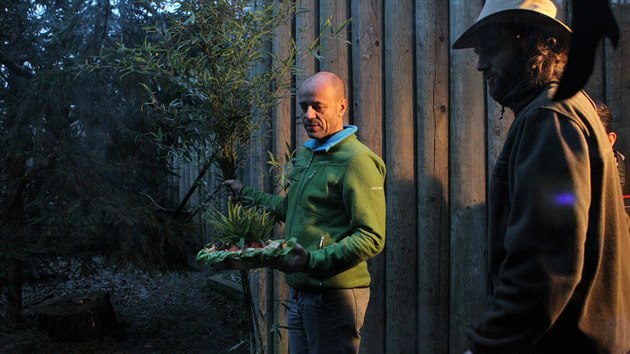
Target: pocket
(295, 174)
(361, 299)
(321, 195)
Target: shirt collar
(333, 140)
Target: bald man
(335, 208)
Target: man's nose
(309, 113)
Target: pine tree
(75, 179)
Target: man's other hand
(234, 187)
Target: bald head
(323, 104)
(325, 79)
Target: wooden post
(367, 103)
(617, 90)
(402, 243)
(334, 49)
(433, 188)
(306, 23)
(595, 86)
(467, 191)
(261, 280)
(282, 118)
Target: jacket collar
(333, 140)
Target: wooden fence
(422, 107)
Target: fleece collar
(333, 140)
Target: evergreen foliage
(200, 60)
(75, 180)
(97, 97)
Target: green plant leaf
(241, 225)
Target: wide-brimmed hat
(535, 13)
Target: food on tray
(257, 256)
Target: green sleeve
(275, 203)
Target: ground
(166, 313)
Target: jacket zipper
(302, 184)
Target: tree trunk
(182, 203)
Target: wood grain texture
(367, 104)
(432, 131)
(467, 184)
(402, 249)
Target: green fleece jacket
(335, 208)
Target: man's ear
(612, 137)
(343, 105)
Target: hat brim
(551, 26)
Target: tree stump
(78, 317)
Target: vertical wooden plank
(367, 103)
(282, 128)
(618, 76)
(306, 26)
(401, 273)
(261, 281)
(280, 300)
(595, 85)
(334, 50)
(185, 181)
(432, 140)
(467, 187)
(195, 198)
(564, 11)
(179, 171)
(334, 47)
(173, 182)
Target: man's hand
(234, 187)
(294, 262)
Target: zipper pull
(321, 242)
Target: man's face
(499, 61)
(322, 107)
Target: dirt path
(169, 313)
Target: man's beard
(518, 92)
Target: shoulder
(352, 145)
(578, 113)
(579, 108)
(352, 149)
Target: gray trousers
(326, 321)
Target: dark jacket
(559, 251)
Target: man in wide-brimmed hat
(559, 248)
